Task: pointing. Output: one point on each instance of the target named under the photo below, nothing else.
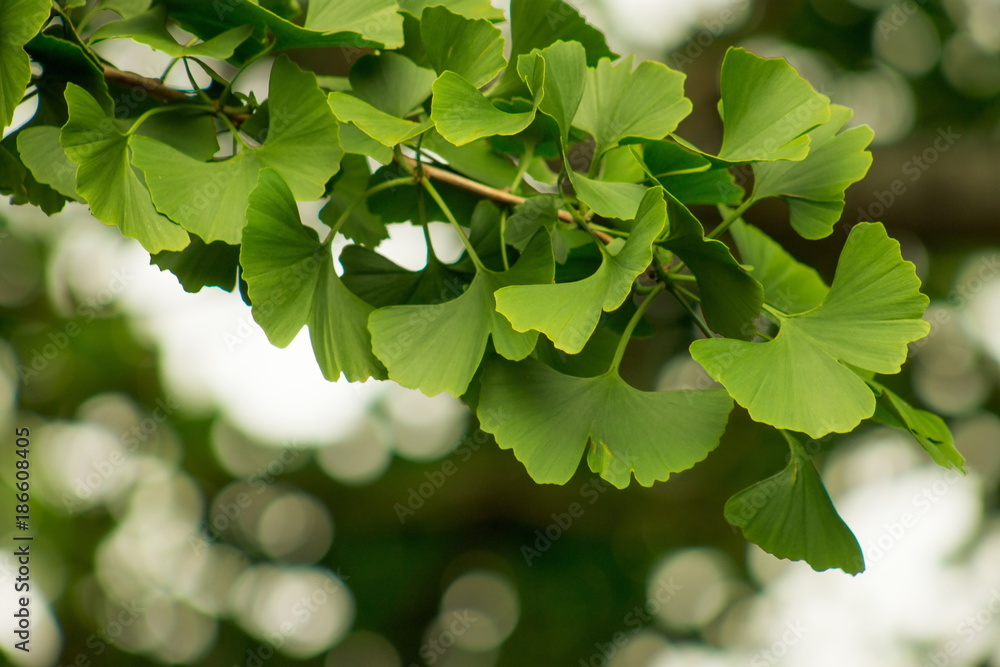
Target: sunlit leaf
(767, 109)
(568, 312)
(463, 114)
(409, 339)
(292, 283)
(106, 178)
(548, 419)
(814, 187)
(799, 381)
(471, 48)
(620, 102)
(387, 130)
(565, 76)
(608, 199)
(377, 20)
(790, 515)
(22, 19)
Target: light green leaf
(565, 76)
(356, 142)
(125, 8)
(377, 20)
(291, 280)
(619, 102)
(548, 419)
(45, 157)
(926, 428)
(471, 48)
(271, 31)
(151, 29)
(22, 19)
(789, 285)
(767, 109)
(730, 298)
(409, 340)
(473, 9)
(690, 177)
(387, 130)
(568, 312)
(391, 82)
(610, 200)
(463, 114)
(790, 515)
(535, 24)
(814, 188)
(800, 380)
(210, 198)
(107, 179)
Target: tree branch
(154, 87)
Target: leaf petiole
(627, 335)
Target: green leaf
(409, 340)
(201, 264)
(361, 225)
(477, 160)
(528, 217)
(210, 19)
(381, 282)
(107, 179)
(789, 285)
(377, 20)
(45, 157)
(125, 8)
(291, 280)
(356, 142)
(620, 103)
(548, 419)
(565, 76)
(535, 24)
(926, 428)
(730, 298)
(690, 177)
(814, 188)
(767, 109)
(210, 198)
(610, 200)
(22, 19)
(151, 29)
(473, 49)
(568, 312)
(63, 61)
(391, 82)
(463, 114)
(473, 9)
(800, 380)
(790, 515)
(387, 130)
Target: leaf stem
(627, 335)
(503, 243)
(163, 109)
(678, 293)
(522, 166)
(385, 185)
(730, 219)
(432, 191)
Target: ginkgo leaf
(473, 9)
(361, 226)
(292, 283)
(690, 177)
(471, 48)
(210, 198)
(410, 339)
(790, 515)
(730, 298)
(150, 29)
(620, 102)
(387, 130)
(800, 380)
(568, 312)
(391, 82)
(565, 68)
(814, 187)
(106, 178)
(767, 109)
(45, 157)
(535, 24)
(22, 19)
(201, 264)
(608, 199)
(378, 20)
(463, 114)
(548, 419)
(926, 428)
(789, 285)
(356, 142)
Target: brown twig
(153, 87)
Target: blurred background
(202, 498)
